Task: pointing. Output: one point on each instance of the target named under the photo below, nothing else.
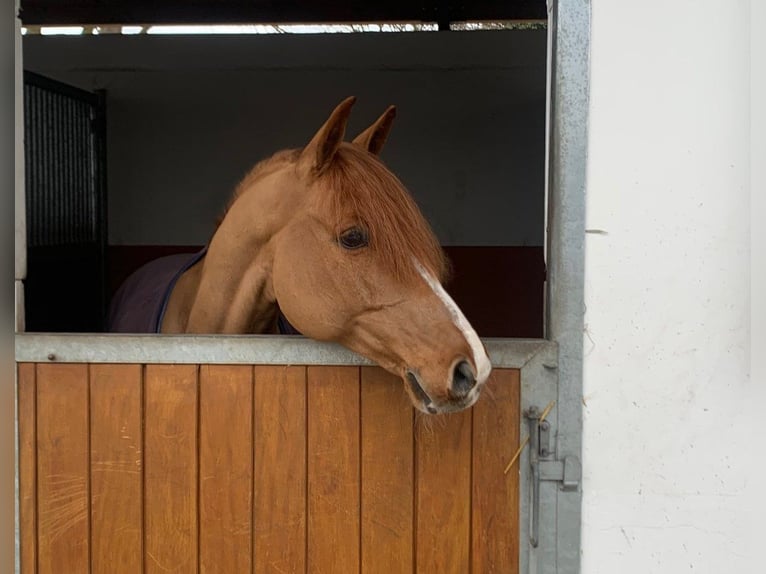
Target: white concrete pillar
(672, 422)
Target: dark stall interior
(113, 123)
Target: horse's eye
(353, 238)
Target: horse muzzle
(462, 393)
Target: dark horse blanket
(139, 304)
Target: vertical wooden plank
(280, 469)
(443, 493)
(226, 468)
(116, 468)
(27, 392)
(170, 473)
(333, 469)
(62, 468)
(495, 508)
(387, 474)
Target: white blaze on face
(480, 358)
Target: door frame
(553, 372)
(569, 24)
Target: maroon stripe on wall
(500, 289)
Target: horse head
(346, 255)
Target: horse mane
(359, 187)
(260, 169)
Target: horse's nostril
(463, 379)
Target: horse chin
(448, 406)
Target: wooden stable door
(265, 469)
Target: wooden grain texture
(170, 459)
(495, 506)
(443, 493)
(319, 469)
(280, 469)
(27, 395)
(62, 468)
(116, 468)
(333, 470)
(387, 474)
(226, 468)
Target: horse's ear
(373, 138)
(321, 149)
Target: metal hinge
(545, 467)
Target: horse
(327, 241)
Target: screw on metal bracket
(545, 448)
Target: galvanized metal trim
(569, 27)
(20, 209)
(539, 386)
(18, 307)
(20, 272)
(228, 349)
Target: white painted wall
(188, 116)
(674, 462)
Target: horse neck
(232, 290)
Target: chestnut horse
(328, 237)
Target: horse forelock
(357, 186)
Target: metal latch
(567, 471)
(544, 467)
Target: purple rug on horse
(139, 304)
